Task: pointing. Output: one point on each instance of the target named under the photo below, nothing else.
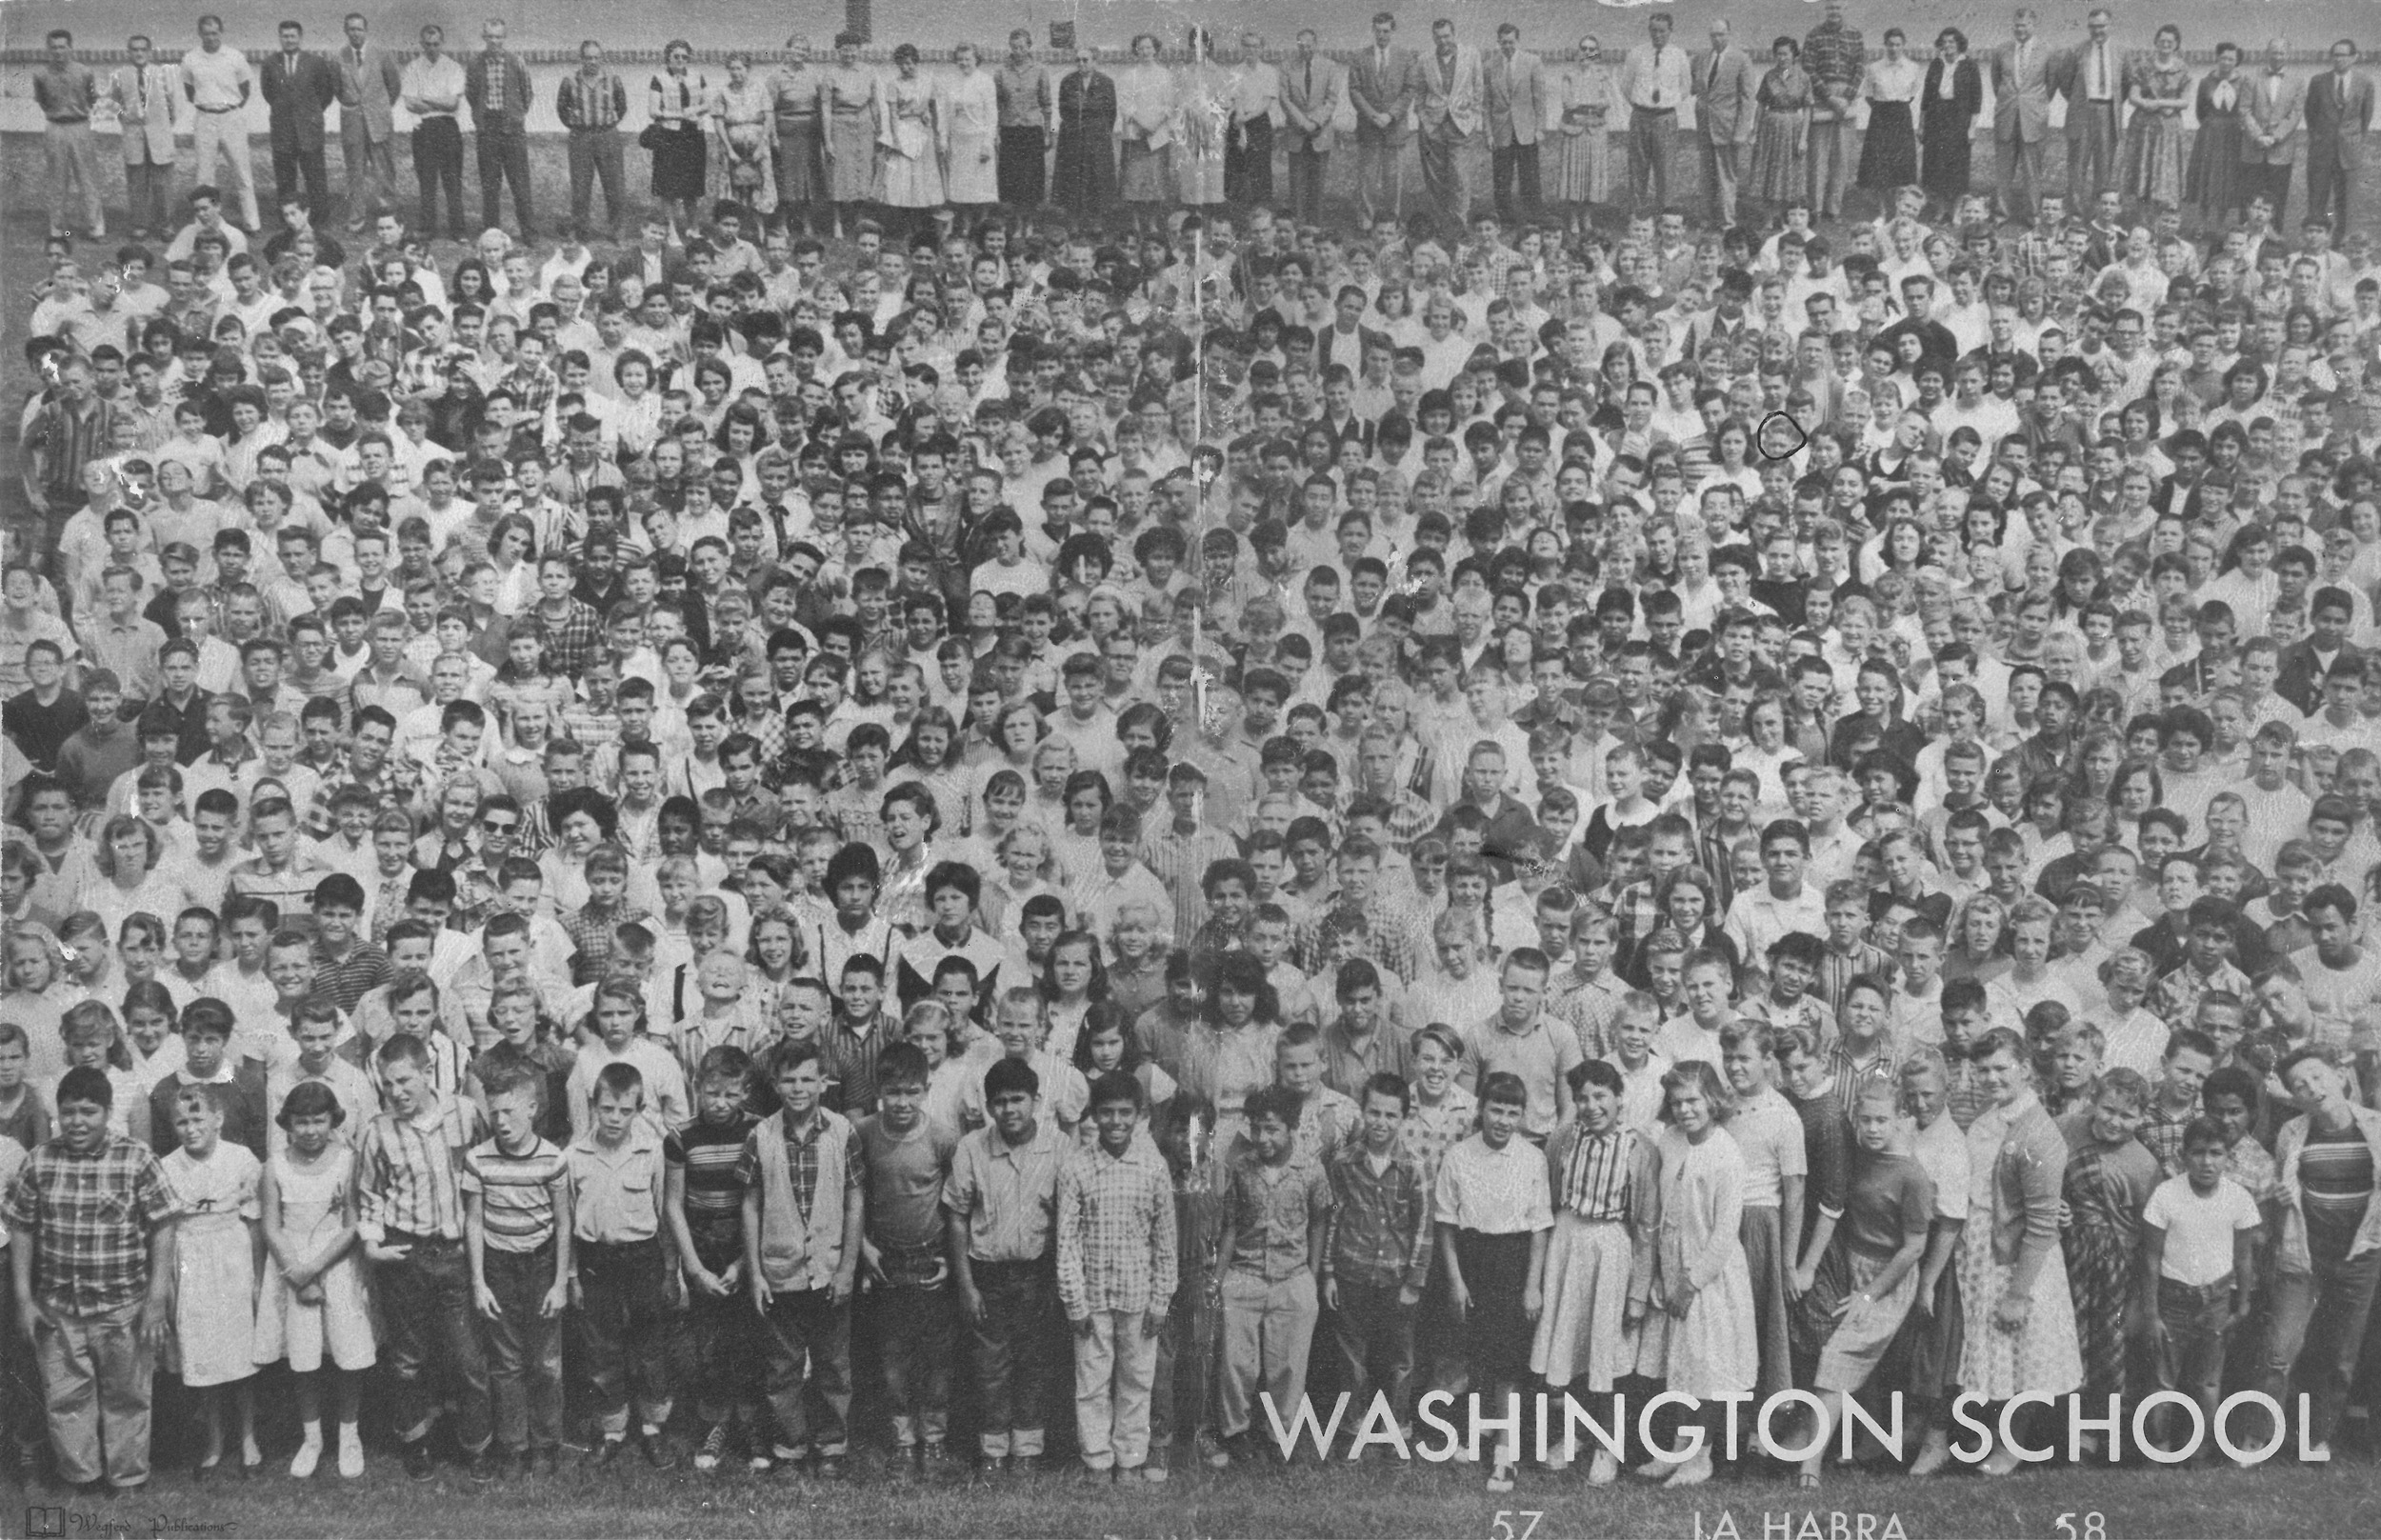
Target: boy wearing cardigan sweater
(802, 1215)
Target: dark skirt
(1249, 169)
(1923, 1362)
(1018, 167)
(1889, 151)
(1947, 171)
(1085, 170)
(1496, 1330)
(2212, 184)
(798, 177)
(680, 168)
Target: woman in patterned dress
(1146, 118)
(678, 100)
(1583, 151)
(740, 113)
(1781, 147)
(1699, 1336)
(2159, 88)
(909, 175)
(970, 121)
(847, 108)
(2212, 184)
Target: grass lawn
(2341, 1500)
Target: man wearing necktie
(2021, 116)
(2274, 112)
(2093, 82)
(2339, 115)
(1450, 120)
(1653, 80)
(299, 88)
(1384, 85)
(143, 93)
(1516, 88)
(370, 80)
(1312, 89)
(1725, 117)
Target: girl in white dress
(1701, 1341)
(216, 1251)
(313, 1300)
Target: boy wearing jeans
(1377, 1249)
(410, 1218)
(801, 1175)
(1116, 1275)
(516, 1210)
(2198, 1272)
(624, 1268)
(904, 1157)
(1002, 1191)
(91, 1255)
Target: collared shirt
(90, 1216)
(597, 102)
(1834, 52)
(344, 981)
(1268, 1209)
(1541, 1053)
(217, 80)
(1378, 1231)
(1655, 79)
(439, 79)
(1025, 96)
(1009, 1192)
(616, 1189)
(406, 1170)
(1180, 861)
(516, 1192)
(801, 1159)
(65, 95)
(1494, 1191)
(1117, 1240)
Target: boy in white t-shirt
(2199, 1235)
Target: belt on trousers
(1673, 112)
(233, 107)
(67, 122)
(406, 1237)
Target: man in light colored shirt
(1256, 107)
(217, 81)
(1654, 80)
(432, 89)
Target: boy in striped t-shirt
(516, 1209)
(706, 1211)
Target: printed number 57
(2095, 1527)
(1501, 1526)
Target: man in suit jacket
(1384, 83)
(2020, 117)
(1450, 115)
(1726, 118)
(1312, 89)
(370, 80)
(2275, 108)
(2092, 77)
(143, 91)
(299, 88)
(2339, 115)
(1512, 85)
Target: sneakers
(309, 1454)
(350, 1451)
(1501, 1476)
(1212, 1453)
(714, 1445)
(1603, 1470)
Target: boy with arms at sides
(516, 1211)
(1002, 1191)
(1276, 1203)
(410, 1218)
(904, 1157)
(801, 1176)
(1116, 1277)
(625, 1283)
(1375, 1256)
(706, 1210)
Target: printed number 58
(1501, 1526)
(2095, 1527)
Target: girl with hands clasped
(315, 1305)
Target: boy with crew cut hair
(904, 1157)
(1003, 1194)
(626, 1287)
(1375, 1256)
(1116, 1277)
(1275, 1204)
(516, 1209)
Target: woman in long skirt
(1888, 149)
(793, 94)
(2159, 88)
(970, 124)
(2213, 185)
(1084, 176)
(1702, 1327)
(1600, 1255)
(1146, 129)
(1888, 1216)
(1582, 150)
(2019, 1334)
(1781, 145)
(2109, 1176)
(909, 175)
(678, 101)
(847, 108)
(1948, 104)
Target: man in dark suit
(299, 88)
(2339, 115)
(1384, 81)
(1313, 88)
(1725, 119)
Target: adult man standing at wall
(1725, 117)
(2021, 116)
(1450, 120)
(217, 82)
(1513, 82)
(1313, 88)
(1384, 83)
(496, 84)
(370, 80)
(434, 93)
(1653, 80)
(299, 89)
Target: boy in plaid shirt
(1377, 1249)
(1116, 1277)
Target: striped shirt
(1598, 1171)
(516, 1193)
(406, 1167)
(599, 102)
(706, 1153)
